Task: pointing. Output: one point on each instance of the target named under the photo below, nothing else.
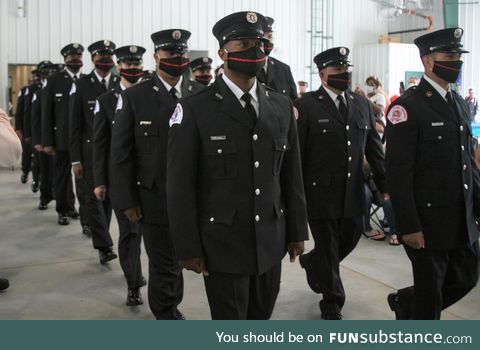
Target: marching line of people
(225, 178)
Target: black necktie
(75, 78)
(450, 100)
(104, 83)
(342, 108)
(249, 108)
(173, 92)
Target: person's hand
(295, 249)
(19, 134)
(386, 196)
(196, 265)
(78, 170)
(133, 214)
(414, 240)
(100, 192)
(49, 150)
(38, 148)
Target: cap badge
(252, 17)
(133, 49)
(76, 45)
(343, 51)
(106, 43)
(176, 34)
(458, 33)
(205, 60)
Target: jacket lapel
(97, 85)
(113, 82)
(436, 101)
(162, 93)
(329, 104)
(270, 72)
(351, 106)
(186, 87)
(230, 104)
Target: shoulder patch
(97, 107)
(177, 115)
(44, 84)
(73, 89)
(27, 91)
(34, 97)
(397, 114)
(119, 104)
(19, 93)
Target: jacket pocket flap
(363, 125)
(219, 214)
(220, 148)
(435, 133)
(146, 130)
(281, 144)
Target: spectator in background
(376, 96)
(302, 88)
(472, 103)
(10, 145)
(412, 81)
(10, 152)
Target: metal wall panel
(469, 20)
(50, 24)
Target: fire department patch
(177, 115)
(397, 115)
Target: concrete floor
(55, 274)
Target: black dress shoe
(177, 315)
(73, 214)
(394, 303)
(134, 297)
(310, 278)
(42, 206)
(63, 220)
(87, 231)
(106, 255)
(24, 178)
(4, 284)
(335, 316)
(34, 187)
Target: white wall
(388, 62)
(469, 20)
(50, 24)
(355, 23)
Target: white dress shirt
(239, 93)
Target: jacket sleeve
(291, 181)
(375, 154)
(182, 168)
(47, 114)
(402, 140)
(36, 119)
(20, 111)
(293, 85)
(27, 116)
(123, 184)
(302, 127)
(101, 144)
(75, 118)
